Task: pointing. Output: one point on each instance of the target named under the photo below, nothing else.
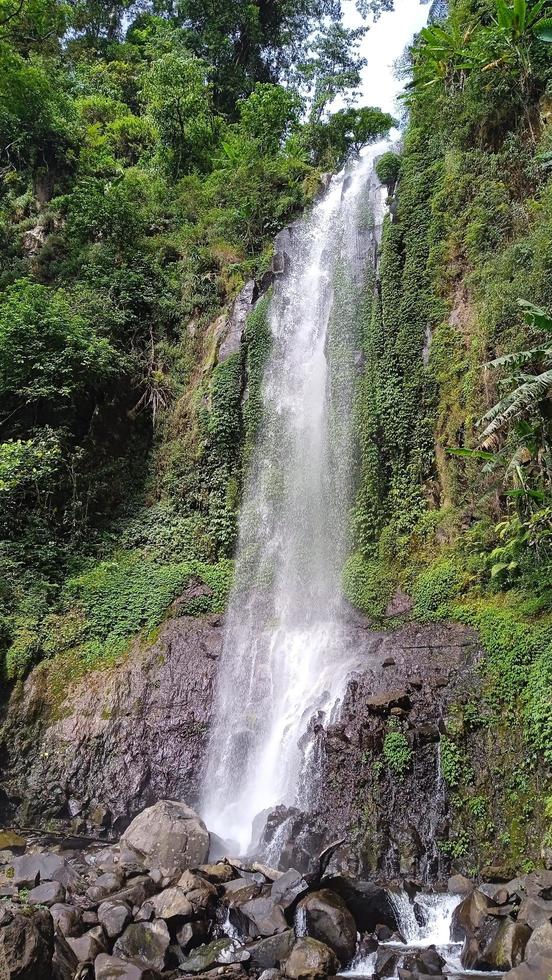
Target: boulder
(310, 959)
(233, 329)
(239, 890)
(136, 891)
(171, 903)
(217, 874)
(87, 947)
(539, 968)
(114, 916)
(505, 950)
(427, 962)
(112, 968)
(106, 884)
(146, 942)
(459, 885)
(27, 946)
(325, 916)
(369, 904)
(201, 894)
(64, 962)
(66, 919)
(387, 961)
(168, 835)
(31, 869)
(206, 956)
(261, 917)
(469, 915)
(540, 942)
(534, 911)
(288, 888)
(47, 893)
(272, 951)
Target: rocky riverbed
(163, 903)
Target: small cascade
(426, 920)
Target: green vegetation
(454, 424)
(396, 751)
(147, 158)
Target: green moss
(396, 751)
(434, 589)
(367, 585)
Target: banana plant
(520, 18)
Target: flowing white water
(284, 654)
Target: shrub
(435, 587)
(388, 168)
(367, 584)
(451, 761)
(396, 751)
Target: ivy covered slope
(454, 417)
(147, 160)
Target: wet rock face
(128, 737)
(122, 739)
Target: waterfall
(427, 919)
(284, 656)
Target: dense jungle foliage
(454, 414)
(148, 157)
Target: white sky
(382, 45)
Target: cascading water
(284, 654)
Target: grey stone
(66, 918)
(289, 888)
(48, 893)
(540, 942)
(272, 950)
(192, 934)
(234, 327)
(106, 884)
(201, 894)
(310, 959)
(112, 968)
(146, 942)
(539, 968)
(264, 918)
(206, 956)
(459, 885)
(88, 946)
(31, 869)
(114, 916)
(168, 835)
(170, 903)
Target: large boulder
(47, 893)
(324, 916)
(469, 915)
(260, 917)
(144, 942)
(114, 916)
(201, 894)
(31, 869)
(27, 946)
(540, 942)
(310, 959)
(87, 947)
(207, 956)
(539, 968)
(288, 888)
(369, 904)
(272, 951)
(506, 949)
(168, 836)
(171, 904)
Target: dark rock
(282, 252)
(192, 934)
(146, 942)
(64, 962)
(87, 947)
(469, 915)
(369, 903)
(427, 962)
(136, 891)
(288, 888)
(66, 919)
(535, 911)
(383, 933)
(239, 890)
(263, 917)
(114, 917)
(168, 835)
(272, 951)
(48, 893)
(399, 604)
(325, 916)
(310, 959)
(27, 946)
(112, 968)
(387, 961)
(31, 869)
